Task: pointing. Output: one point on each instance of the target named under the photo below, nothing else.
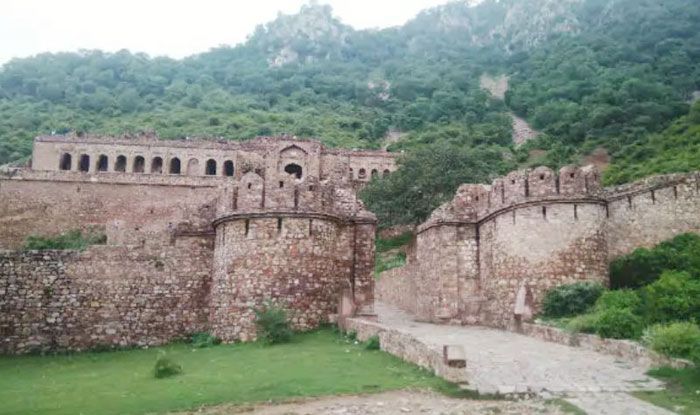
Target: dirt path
(403, 402)
(497, 86)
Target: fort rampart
(194, 248)
(489, 255)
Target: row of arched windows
(174, 165)
(362, 173)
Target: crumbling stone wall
(105, 296)
(489, 255)
(133, 210)
(196, 157)
(289, 228)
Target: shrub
(372, 343)
(384, 245)
(676, 339)
(644, 266)
(273, 324)
(204, 339)
(571, 299)
(384, 264)
(674, 297)
(620, 299)
(74, 239)
(618, 323)
(584, 323)
(166, 367)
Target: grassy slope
(318, 363)
(682, 393)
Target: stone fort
(490, 254)
(199, 233)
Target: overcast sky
(174, 28)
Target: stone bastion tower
(198, 234)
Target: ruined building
(198, 234)
(490, 254)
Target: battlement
(475, 202)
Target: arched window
(362, 174)
(102, 163)
(211, 167)
(228, 168)
(120, 164)
(65, 162)
(352, 173)
(293, 169)
(375, 173)
(385, 173)
(192, 167)
(174, 165)
(157, 165)
(84, 164)
(139, 164)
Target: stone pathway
(402, 402)
(615, 404)
(506, 363)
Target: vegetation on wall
(74, 239)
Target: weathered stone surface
(489, 255)
(199, 233)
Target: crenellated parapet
(473, 203)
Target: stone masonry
(489, 255)
(199, 233)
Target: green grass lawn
(682, 393)
(122, 382)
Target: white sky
(166, 27)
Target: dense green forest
(617, 74)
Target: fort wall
(280, 222)
(490, 254)
(105, 296)
(647, 212)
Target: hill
(585, 73)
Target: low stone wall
(625, 349)
(408, 348)
(106, 296)
(397, 287)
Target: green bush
(200, 340)
(644, 266)
(674, 297)
(272, 324)
(676, 339)
(384, 245)
(383, 264)
(571, 299)
(620, 299)
(372, 343)
(74, 239)
(618, 323)
(166, 367)
(584, 323)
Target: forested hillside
(612, 74)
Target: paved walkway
(506, 362)
(403, 402)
